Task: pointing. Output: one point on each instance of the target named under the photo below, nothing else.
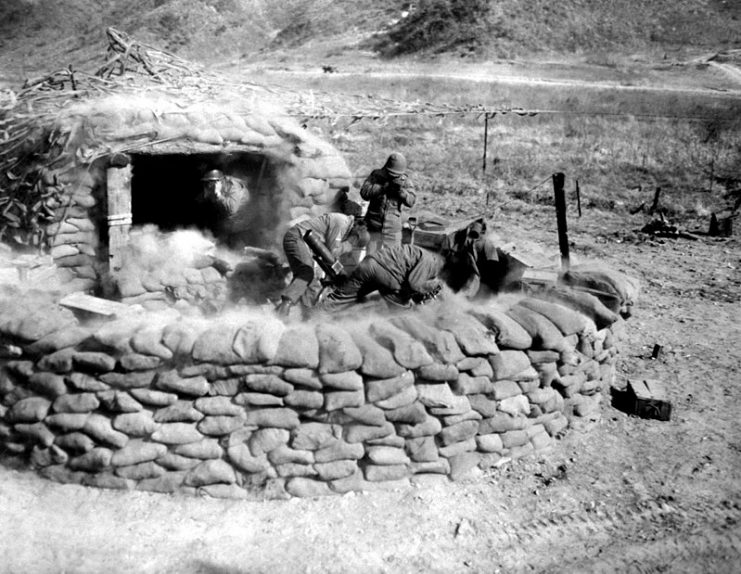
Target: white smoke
(150, 248)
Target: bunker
(245, 404)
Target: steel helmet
(212, 175)
(396, 164)
(363, 237)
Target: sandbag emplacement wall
(247, 406)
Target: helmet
(477, 229)
(360, 233)
(363, 237)
(212, 175)
(396, 164)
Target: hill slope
(55, 33)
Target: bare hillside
(39, 34)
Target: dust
(150, 248)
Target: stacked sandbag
(72, 235)
(249, 406)
(307, 171)
(311, 169)
(616, 290)
(201, 285)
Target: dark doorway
(166, 188)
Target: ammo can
(647, 399)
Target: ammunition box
(647, 399)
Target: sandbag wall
(72, 235)
(200, 285)
(252, 407)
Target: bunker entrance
(167, 191)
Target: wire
(491, 114)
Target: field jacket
(413, 268)
(387, 195)
(332, 229)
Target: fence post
(655, 204)
(483, 165)
(578, 197)
(486, 140)
(563, 238)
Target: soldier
(221, 199)
(473, 264)
(402, 274)
(340, 233)
(387, 190)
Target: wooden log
(119, 214)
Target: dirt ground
(616, 494)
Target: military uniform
(222, 212)
(332, 229)
(388, 190)
(473, 262)
(399, 273)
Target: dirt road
(535, 79)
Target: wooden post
(483, 164)
(486, 140)
(655, 204)
(578, 198)
(712, 175)
(563, 238)
(118, 180)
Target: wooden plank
(82, 302)
(119, 214)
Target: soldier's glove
(393, 187)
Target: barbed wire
(523, 112)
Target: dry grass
(619, 159)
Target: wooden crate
(647, 399)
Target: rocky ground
(616, 494)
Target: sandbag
(509, 334)
(440, 344)
(544, 333)
(567, 320)
(378, 361)
(583, 302)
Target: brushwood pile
(249, 406)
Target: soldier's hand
(222, 266)
(393, 189)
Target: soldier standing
(387, 190)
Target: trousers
(301, 263)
